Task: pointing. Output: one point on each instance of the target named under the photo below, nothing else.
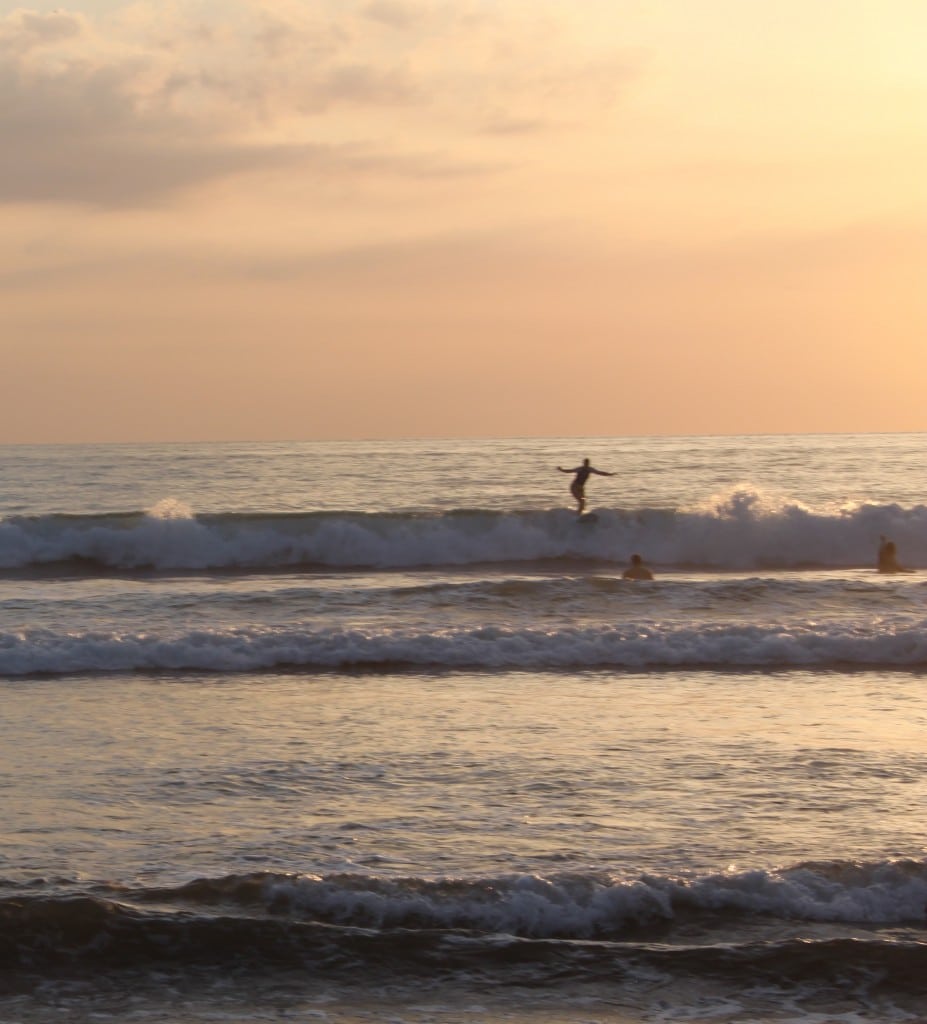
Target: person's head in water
(637, 570)
(585, 462)
(888, 557)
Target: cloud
(391, 12)
(97, 121)
(24, 30)
(85, 129)
(133, 108)
(127, 171)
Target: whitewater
(739, 534)
(366, 730)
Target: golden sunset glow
(412, 218)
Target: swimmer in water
(578, 486)
(888, 558)
(637, 570)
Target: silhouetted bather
(888, 558)
(637, 570)
(578, 487)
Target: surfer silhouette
(637, 570)
(578, 486)
(888, 557)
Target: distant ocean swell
(739, 534)
(584, 927)
(645, 644)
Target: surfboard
(588, 517)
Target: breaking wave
(586, 926)
(640, 645)
(737, 534)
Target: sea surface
(376, 731)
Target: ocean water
(377, 732)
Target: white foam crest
(170, 538)
(644, 644)
(526, 905)
(743, 535)
(748, 531)
(747, 501)
(886, 893)
(586, 906)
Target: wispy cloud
(132, 108)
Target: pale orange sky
(426, 218)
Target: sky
(340, 219)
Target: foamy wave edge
(740, 538)
(642, 645)
(582, 906)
